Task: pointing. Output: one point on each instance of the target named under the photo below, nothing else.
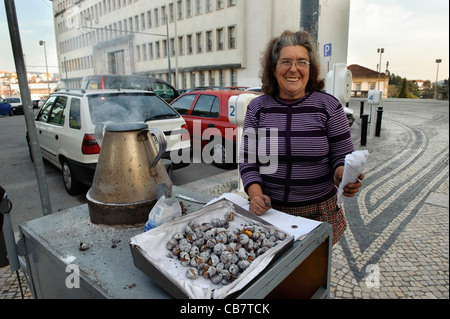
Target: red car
(206, 115)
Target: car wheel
(219, 155)
(73, 187)
(11, 112)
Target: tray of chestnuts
(211, 253)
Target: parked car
(254, 89)
(210, 108)
(239, 88)
(5, 107)
(66, 128)
(35, 104)
(41, 102)
(160, 87)
(16, 104)
(349, 112)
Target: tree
(404, 90)
(427, 90)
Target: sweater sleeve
(339, 136)
(248, 163)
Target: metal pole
(27, 108)
(379, 118)
(168, 49)
(65, 69)
(381, 51)
(364, 120)
(437, 72)
(46, 65)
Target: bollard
(364, 121)
(361, 109)
(378, 124)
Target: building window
(138, 53)
(220, 40)
(202, 78)
(144, 52)
(188, 8)
(231, 3)
(193, 80)
(149, 18)
(150, 51)
(199, 42)
(223, 77)
(165, 48)
(189, 44)
(172, 47)
(163, 14)
(209, 5)
(212, 78)
(180, 10)
(171, 13)
(232, 37)
(156, 11)
(158, 50)
(136, 22)
(209, 41)
(198, 7)
(219, 4)
(234, 78)
(180, 46)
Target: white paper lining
(153, 248)
(292, 225)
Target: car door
(49, 125)
(206, 114)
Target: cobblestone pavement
(397, 241)
(396, 245)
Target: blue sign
(327, 50)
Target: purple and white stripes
(292, 149)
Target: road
(18, 177)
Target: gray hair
(272, 55)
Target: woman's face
(292, 77)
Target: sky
(413, 33)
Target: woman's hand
(259, 203)
(350, 189)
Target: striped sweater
(293, 149)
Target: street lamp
(380, 51)
(437, 72)
(46, 65)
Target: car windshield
(128, 107)
(12, 100)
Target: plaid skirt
(326, 211)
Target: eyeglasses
(287, 64)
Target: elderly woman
(313, 138)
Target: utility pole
(25, 93)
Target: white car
(16, 104)
(66, 124)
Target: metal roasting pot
(124, 187)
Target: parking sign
(327, 50)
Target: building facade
(189, 43)
(365, 80)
